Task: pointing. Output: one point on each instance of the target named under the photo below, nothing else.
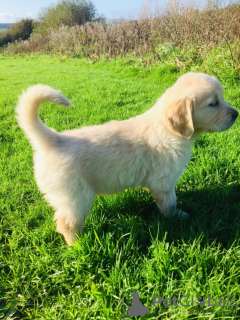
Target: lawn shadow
(214, 215)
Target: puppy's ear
(178, 117)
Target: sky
(14, 10)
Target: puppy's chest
(168, 164)
(170, 157)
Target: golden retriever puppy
(150, 150)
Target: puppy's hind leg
(70, 218)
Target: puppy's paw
(183, 215)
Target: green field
(126, 246)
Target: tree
(22, 29)
(67, 12)
(19, 30)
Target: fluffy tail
(27, 113)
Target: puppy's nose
(234, 115)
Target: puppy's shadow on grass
(214, 215)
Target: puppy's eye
(213, 104)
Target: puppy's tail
(28, 118)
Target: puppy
(149, 150)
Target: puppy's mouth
(224, 125)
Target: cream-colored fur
(150, 150)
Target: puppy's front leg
(167, 203)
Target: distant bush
(153, 38)
(66, 12)
(5, 38)
(18, 31)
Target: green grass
(126, 246)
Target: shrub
(184, 32)
(66, 12)
(20, 30)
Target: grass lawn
(126, 246)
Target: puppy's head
(195, 103)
